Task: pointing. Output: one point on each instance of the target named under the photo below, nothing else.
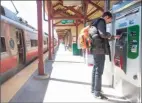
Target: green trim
(133, 42)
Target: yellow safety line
(11, 87)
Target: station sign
(67, 21)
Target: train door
(20, 46)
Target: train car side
(18, 47)
(32, 45)
(9, 59)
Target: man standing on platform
(100, 47)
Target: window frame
(35, 41)
(5, 45)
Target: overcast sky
(27, 10)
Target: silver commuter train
(18, 44)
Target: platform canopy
(66, 12)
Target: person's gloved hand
(114, 37)
(111, 38)
(117, 36)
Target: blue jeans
(99, 61)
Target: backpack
(93, 32)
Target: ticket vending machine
(127, 58)
(127, 48)
(120, 57)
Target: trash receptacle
(75, 49)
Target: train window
(2, 10)
(33, 43)
(2, 44)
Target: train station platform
(69, 81)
